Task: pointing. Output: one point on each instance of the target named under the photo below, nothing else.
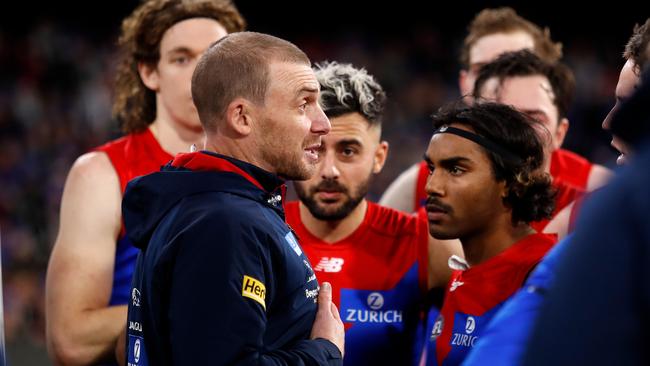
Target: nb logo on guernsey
(327, 264)
(254, 289)
(455, 284)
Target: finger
(325, 296)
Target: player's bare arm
(81, 327)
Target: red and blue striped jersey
(474, 295)
(379, 279)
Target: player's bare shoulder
(94, 166)
(92, 187)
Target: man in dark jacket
(221, 278)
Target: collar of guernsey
(209, 161)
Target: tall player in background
(491, 33)
(91, 266)
(375, 257)
(543, 91)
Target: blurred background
(57, 62)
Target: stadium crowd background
(57, 64)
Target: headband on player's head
(486, 143)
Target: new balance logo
(329, 265)
(455, 284)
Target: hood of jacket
(149, 198)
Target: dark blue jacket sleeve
(597, 308)
(211, 321)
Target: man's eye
(181, 60)
(454, 170)
(348, 152)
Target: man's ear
(380, 157)
(560, 133)
(240, 116)
(463, 83)
(149, 76)
(505, 190)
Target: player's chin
(305, 170)
(439, 232)
(298, 173)
(193, 122)
(328, 207)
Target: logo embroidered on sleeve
(293, 243)
(254, 289)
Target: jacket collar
(273, 186)
(210, 161)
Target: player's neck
(174, 138)
(333, 231)
(493, 240)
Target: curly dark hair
(638, 47)
(526, 63)
(506, 20)
(529, 191)
(139, 42)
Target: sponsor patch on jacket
(254, 289)
(293, 243)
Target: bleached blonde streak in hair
(346, 89)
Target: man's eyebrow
(535, 111)
(307, 89)
(448, 161)
(180, 49)
(349, 141)
(454, 160)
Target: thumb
(335, 312)
(325, 296)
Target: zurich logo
(136, 350)
(470, 325)
(375, 300)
